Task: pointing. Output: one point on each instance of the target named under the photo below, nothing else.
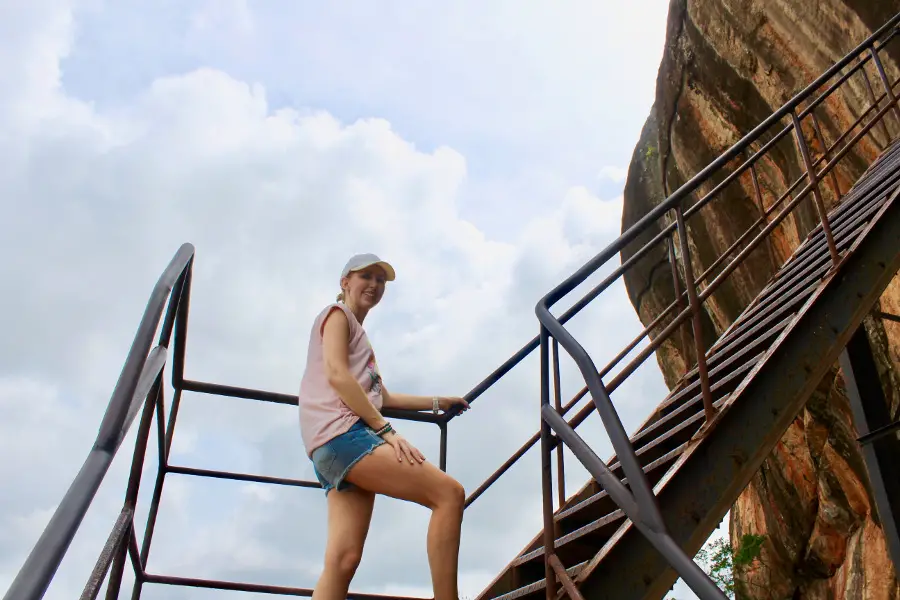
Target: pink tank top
(323, 414)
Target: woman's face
(364, 288)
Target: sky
(480, 147)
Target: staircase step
(536, 590)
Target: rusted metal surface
(873, 52)
(694, 304)
(814, 183)
(679, 302)
(134, 482)
(115, 539)
(756, 189)
(817, 128)
(702, 486)
(564, 578)
(547, 468)
(557, 403)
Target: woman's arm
(335, 350)
(410, 402)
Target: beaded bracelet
(384, 430)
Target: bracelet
(384, 430)
(435, 404)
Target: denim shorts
(333, 459)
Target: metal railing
(140, 389)
(140, 385)
(639, 503)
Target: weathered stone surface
(727, 65)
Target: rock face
(728, 65)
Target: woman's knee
(451, 494)
(343, 560)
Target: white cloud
(612, 173)
(97, 198)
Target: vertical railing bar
(150, 527)
(825, 151)
(134, 554)
(814, 182)
(694, 304)
(134, 482)
(887, 85)
(173, 415)
(758, 191)
(137, 564)
(161, 429)
(443, 459)
(782, 214)
(181, 325)
(676, 281)
(871, 92)
(546, 469)
(165, 446)
(165, 334)
(557, 401)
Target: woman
(356, 453)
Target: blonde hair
(340, 297)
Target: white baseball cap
(361, 261)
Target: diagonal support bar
(654, 532)
(870, 413)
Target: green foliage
(718, 559)
(749, 549)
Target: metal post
(814, 182)
(676, 282)
(557, 399)
(134, 483)
(181, 325)
(884, 80)
(871, 94)
(443, 426)
(818, 129)
(546, 468)
(758, 190)
(694, 303)
(870, 412)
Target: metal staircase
(631, 530)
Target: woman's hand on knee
(403, 448)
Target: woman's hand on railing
(446, 403)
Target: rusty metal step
(536, 590)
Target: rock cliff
(727, 65)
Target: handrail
(42, 563)
(640, 504)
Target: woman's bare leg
(349, 515)
(424, 484)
